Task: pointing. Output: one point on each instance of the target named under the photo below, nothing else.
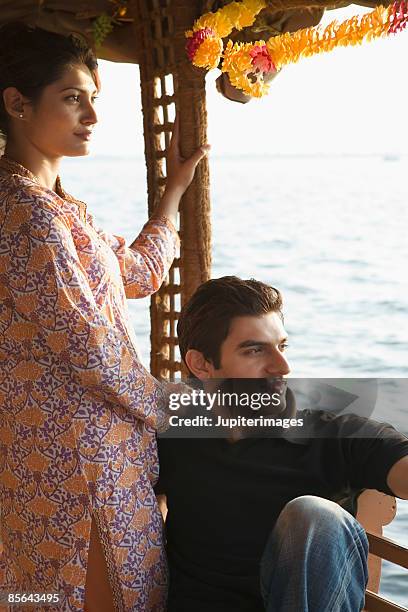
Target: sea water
(330, 232)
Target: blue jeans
(315, 559)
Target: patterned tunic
(78, 411)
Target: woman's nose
(90, 116)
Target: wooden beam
(375, 603)
(387, 549)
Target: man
(252, 524)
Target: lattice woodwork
(168, 81)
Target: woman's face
(60, 123)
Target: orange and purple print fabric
(78, 410)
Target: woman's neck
(46, 170)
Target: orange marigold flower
(196, 39)
(209, 53)
(224, 25)
(246, 19)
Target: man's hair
(205, 320)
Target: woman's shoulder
(22, 190)
(28, 207)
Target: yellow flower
(234, 15)
(232, 11)
(224, 25)
(245, 19)
(241, 81)
(206, 21)
(255, 6)
(236, 57)
(243, 14)
(209, 53)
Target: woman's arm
(146, 262)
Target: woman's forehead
(76, 77)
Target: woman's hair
(32, 58)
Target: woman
(78, 410)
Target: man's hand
(397, 478)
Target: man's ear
(198, 365)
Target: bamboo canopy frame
(152, 35)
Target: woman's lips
(84, 135)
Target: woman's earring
(21, 115)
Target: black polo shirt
(224, 498)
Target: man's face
(254, 348)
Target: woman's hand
(180, 173)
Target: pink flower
(399, 12)
(196, 39)
(261, 60)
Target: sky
(352, 100)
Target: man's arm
(397, 478)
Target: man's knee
(313, 528)
(314, 537)
(313, 508)
(310, 514)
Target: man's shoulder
(326, 424)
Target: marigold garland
(248, 63)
